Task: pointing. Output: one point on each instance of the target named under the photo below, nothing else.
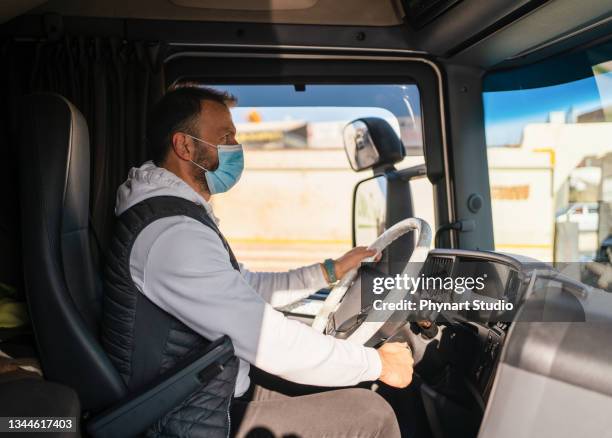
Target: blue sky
(322, 103)
(311, 114)
(507, 112)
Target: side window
(293, 205)
(549, 138)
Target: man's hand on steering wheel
(349, 261)
(396, 357)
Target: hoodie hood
(148, 181)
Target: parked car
(585, 214)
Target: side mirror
(371, 142)
(369, 209)
(381, 201)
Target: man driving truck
(184, 266)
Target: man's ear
(180, 146)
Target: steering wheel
(367, 329)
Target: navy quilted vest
(143, 341)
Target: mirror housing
(369, 209)
(371, 142)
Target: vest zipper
(229, 419)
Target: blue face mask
(231, 165)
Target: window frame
(226, 66)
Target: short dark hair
(177, 111)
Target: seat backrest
(60, 276)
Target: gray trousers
(338, 413)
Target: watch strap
(330, 269)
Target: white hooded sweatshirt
(182, 267)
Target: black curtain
(113, 83)
(12, 87)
